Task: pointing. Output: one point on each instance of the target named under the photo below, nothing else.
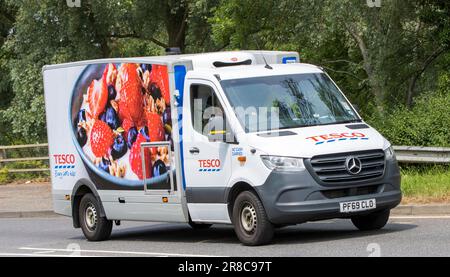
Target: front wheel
(94, 227)
(373, 221)
(250, 221)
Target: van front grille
(358, 191)
(332, 169)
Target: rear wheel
(94, 227)
(373, 221)
(250, 221)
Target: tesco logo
(337, 137)
(64, 158)
(213, 163)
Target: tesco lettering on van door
(210, 165)
(337, 137)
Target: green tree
(7, 19)
(377, 55)
(48, 32)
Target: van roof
(201, 60)
(249, 71)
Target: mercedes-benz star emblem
(353, 165)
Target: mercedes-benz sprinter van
(255, 139)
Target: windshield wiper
(350, 121)
(314, 125)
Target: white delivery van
(256, 139)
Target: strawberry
(101, 138)
(127, 125)
(155, 126)
(136, 161)
(122, 110)
(129, 84)
(97, 95)
(160, 77)
(142, 122)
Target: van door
(207, 160)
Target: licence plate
(357, 206)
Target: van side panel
(115, 172)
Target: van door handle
(194, 150)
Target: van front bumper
(293, 198)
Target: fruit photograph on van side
(257, 124)
(124, 105)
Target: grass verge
(426, 184)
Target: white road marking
(39, 255)
(117, 252)
(44, 252)
(421, 217)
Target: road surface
(55, 236)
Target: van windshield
(287, 101)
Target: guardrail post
(2, 154)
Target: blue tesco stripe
(64, 166)
(342, 139)
(209, 169)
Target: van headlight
(284, 164)
(389, 153)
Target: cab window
(207, 115)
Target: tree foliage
(385, 59)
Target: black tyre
(373, 221)
(250, 221)
(95, 228)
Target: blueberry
(131, 136)
(104, 165)
(102, 116)
(159, 168)
(145, 67)
(144, 131)
(112, 93)
(81, 136)
(82, 115)
(110, 117)
(119, 147)
(167, 116)
(155, 91)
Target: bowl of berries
(114, 109)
